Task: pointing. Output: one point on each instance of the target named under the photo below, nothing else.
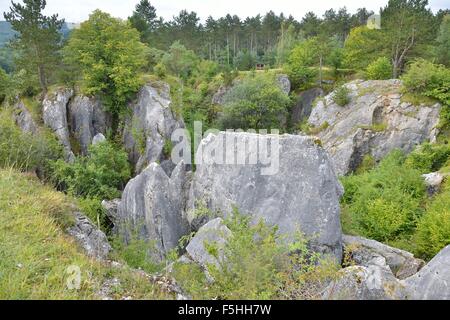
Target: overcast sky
(78, 10)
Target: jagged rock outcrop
(89, 237)
(302, 193)
(86, 119)
(24, 119)
(152, 205)
(433, 281)
(363, 251)
(54, 113)
(151, 126)
(375, 122)
(303, 107)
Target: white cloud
(76, 11)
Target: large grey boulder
(363, 251)
(214, 233)
(303, 107)
(302, 195)
(433, 281)
(150, 126)
(93, 241)
(373, 282)
(24, 119)
(375, 122)
(86, 119)
(152, 207)
(54, 113)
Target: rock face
(90, 238)
(86, 119)
(364, 251)
(151, 126)
(303, 107)
(433, 281)
(24, 119)
(302, 195)
(213, 233)
(375, 122)
(153, 204)
(54, 113)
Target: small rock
(433, 181)
(99, 138)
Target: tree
(255, 103)
(443, 41)
(4, 84)
(180, 61)
(286, 43)
(37, 41)
(109, 55)
(405, 25)
(362, 46)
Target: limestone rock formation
(433, 281)
(54, 113)
(90, 238)
(364, 251)
(152, 205)
(24, 119)
(86, 119)
(303, 107)
(373, 282)
(375, 122)
(151, 126)
(213, 233)
(303, 194)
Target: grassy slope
(35, 252)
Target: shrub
(380, 69)
(429, 79)
(433, 229)
(101, 174)
(341, 96)
(26, 151)
(259, 264)
(428, 157)
(384, 203)
(255, 103)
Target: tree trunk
(42, 78)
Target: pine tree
(38, 40)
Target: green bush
(255, 103)
(341, 96)
(259, 264)
(385, 202)
(428, 79)
(380, 69)
(433, 229)
(26, 151)
(429, 157)
(101, 174)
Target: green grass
(35, 252)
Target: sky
(79, 10)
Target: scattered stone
(433, 182)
